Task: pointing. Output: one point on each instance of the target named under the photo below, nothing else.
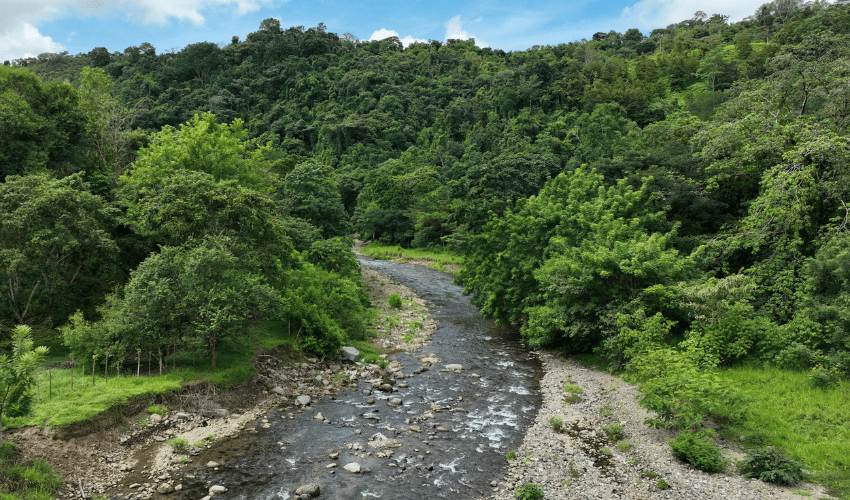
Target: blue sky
(31, 27)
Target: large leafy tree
(313, 195)
(56, 250)
(200, 295)
(187, 206)
(41, 124)
(202, 145)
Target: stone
(352, 467)
(349, 354)
(310, 489)
(378, 440)
(454, 367)
(155, 419)
(396, 401)
(279, 391)
(164, 488)
(217, 489)
(303, 400)
(319, 416)
(182, 415)
(212, 464)
(222, 413)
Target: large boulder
(349, 353)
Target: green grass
(441, 259)
(812, 425)
(31, 480)
(56, 403)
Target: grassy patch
(811, 425)
(66, 395)
(439, 258)
(31, 480)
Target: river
(479, 413)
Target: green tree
(56, 248)
(201, 295)
(41, 125)
(110, 144)
(185, 206)
(312, 194)
(16, 374)
(202, 145)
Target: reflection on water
(482, 413)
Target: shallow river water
(457, 454)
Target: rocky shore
(580, 462)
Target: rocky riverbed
(572, 464)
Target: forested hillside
(686, 186)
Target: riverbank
(125, 452)
(582, 462)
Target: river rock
(378, 440)
(279, 390)
(303, 400)
(222, 413)
(396, 401)
(217, 489)
(454, 367)
(164, 488)
(319, 416)
(155, 419)
(350, 354)
(212, 464)
(310, 489)
(352, 467)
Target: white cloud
(455, 31)
(19, 19)
(384, 33)
(25, 41)
(662, 13)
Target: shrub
(511, 455)
(822, 377)
(159, 410)
(624, 445)
(797, 357)
(180, 445)
(572, 399)
(557, 423)
(529, 491)
(697, 449)
(662, 484)
(573, 389)
(682, 390)
(770, 465)
(613, 431)
(394, 300)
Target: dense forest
(681, 192)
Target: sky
(32, 27)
